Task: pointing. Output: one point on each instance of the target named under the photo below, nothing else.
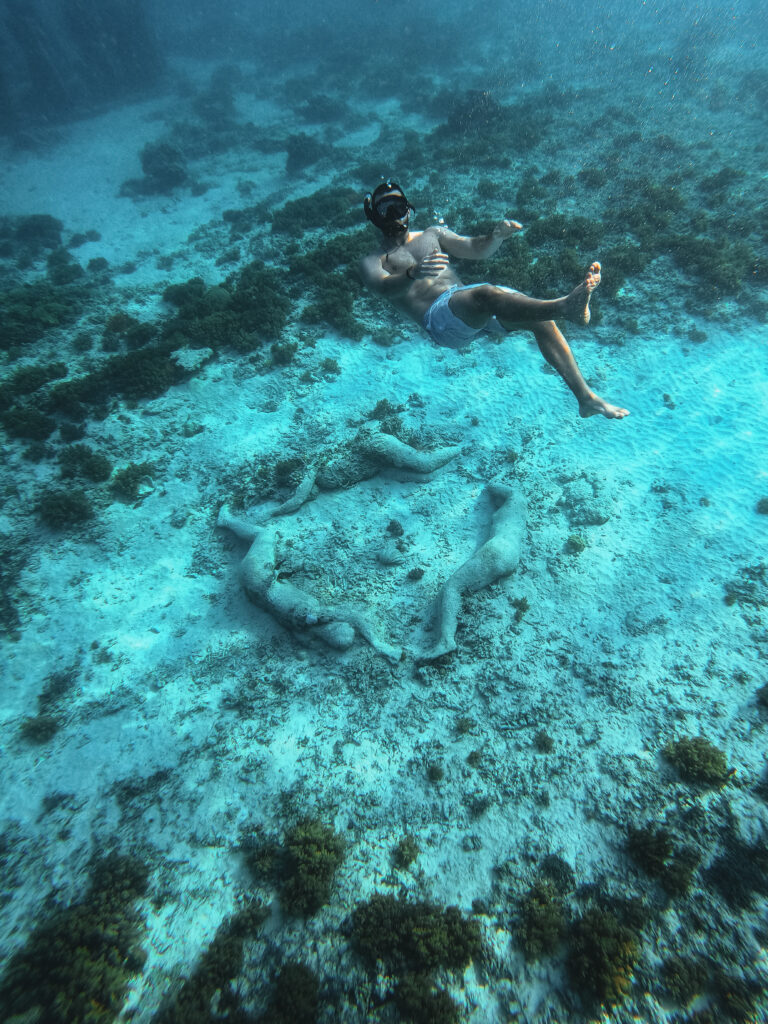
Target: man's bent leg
(475, 305)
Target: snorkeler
(412, 269)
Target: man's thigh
(475, 304)
(470, 304)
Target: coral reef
(243, 311)
(750, 588)
(164, 169)
(684, 978)
(127, 482)
(414, 941)
(419, 1001)
(13, 558)
(31, 310)
(739, 874)
(331, 211)
(28, 379)
(301, 867)
(653, 850)
(80, 460)
(51, 706)
(575, 544)
(28, 424)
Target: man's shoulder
(372, 257)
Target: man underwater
(412, 270)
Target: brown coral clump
(698, 760)
(602, 957)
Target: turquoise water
(476, 731)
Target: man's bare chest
(411, 252)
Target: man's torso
(416, 300)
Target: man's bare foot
(596, 406)
(577, 303)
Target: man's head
(388, 209)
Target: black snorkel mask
(386, 207)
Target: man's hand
(431, 265)
(505, 228)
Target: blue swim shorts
(448, 330)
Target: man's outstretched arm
(478, 247)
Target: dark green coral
(405, 852)
(217, 968)
(127, 480)
(602, 957)
(414, 937)
(76, 963)
(295, 997)
(542, 920)
(311, 854)
(62, 508)
(420, 1001)
(697, 760)
(654, 850)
